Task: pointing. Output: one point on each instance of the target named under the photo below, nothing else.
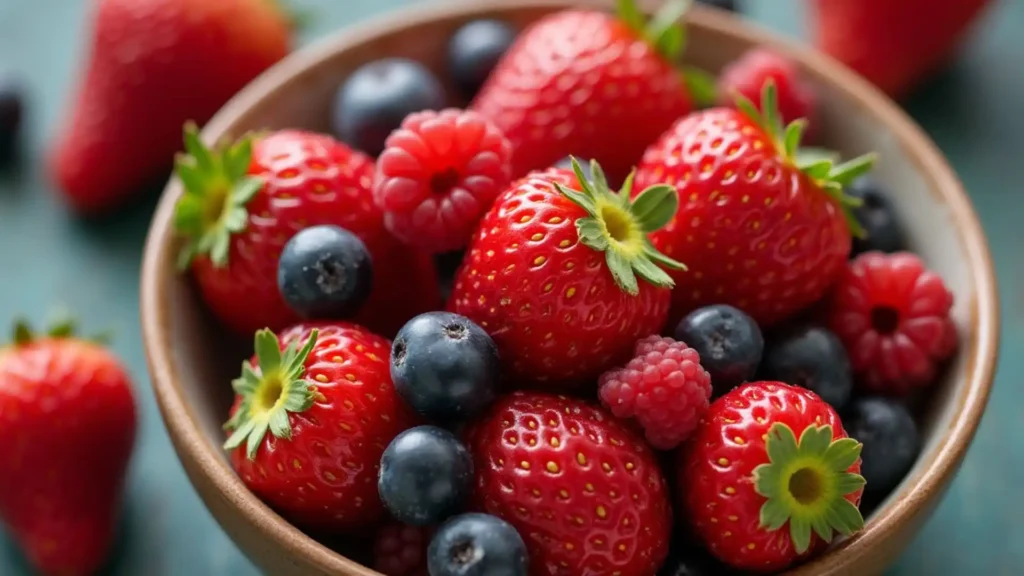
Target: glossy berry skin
(425, 475)
(401, 550)
(664, 387)
(11, 111)
(473, 52)
(152, 65)
(891, 441)
(325, 477)
(754, 231)
(582, 82)
(586, 493)
(325, 272)
(377, 96)
(311, 179)
(60, 496)
(476, 544)
(878, 216)
(748, 74)
(549, 301)
(813, 358)
(445, 366)
(892, 315)
(438, 175)
(729, 342)
(715, 469)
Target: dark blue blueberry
(477, 545)
(813, 358)
(375, 99)
(691, 560)
(474, 50)
(11, 111)
(425, 475)
(890, 438)
(444, 366)
(325, 272)
(566, 163)
(878, 217)
(728, 341)
(729, 5)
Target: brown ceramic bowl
(192, 361)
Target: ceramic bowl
(192, 361)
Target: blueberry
(375, 99)
(690, 560)
(729, 5)
(444, 366)
(425, 475)
(566, 163)
(878, 217)
(813, 358)
(890, 438)
(728, 341)
(477, 545)
(11, 111)
(473, 52)
(325, 272)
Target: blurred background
(51, 259)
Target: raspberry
(748, 74)
(438, 175)
(664, 387)
(892, 314)
(401, 550)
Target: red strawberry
(892, 44)
(551, 275)
(152, 65)
(758, 229)
(748, 74)
(585, 493)
(744, 476)
(241, 206)
(591, 84)
(67, 429)
(324, 393)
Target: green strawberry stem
(270, 391)
(822, 168)
(806, 484)
(618, 226)
(217, 190)
(666, 34)
(64, 326)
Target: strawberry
(152, 65)
(591, 84)
(324, 393)
(759, 229)
(585, 493)
(551, 275)
(765, 455)
(895, 45)
(242, 204)
(67, 430)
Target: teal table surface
(50, 260)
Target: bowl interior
(203, 358)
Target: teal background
(50, 260)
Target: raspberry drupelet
(401, 550)
(663, 387)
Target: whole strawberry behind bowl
(300, 456)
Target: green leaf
(246, 190)
(656, 206)
(661, 259)
(188, 215)
(781, 444)
(599, 181)
(186, 256)
(822, 527)
(204, 160)
(241, 433)
(817, 169)
(280, 427)
(631, 15)
(62, 328)
(748, 109)
(236, 220)
(627, 189)
(701, 86)
(670, 43)
(845, 517)
(187, 171)
(622, 272)
(794, 132)
(848, 483)
(578, 198)
(651, 273)
(246, 384)
(237, 159)
(770, 109)
(800, 532)
(22, 333)
(220, 248)
(666, 22)
(808, 155)
(767, 478)
(842, 453)
(268, 351)
(259, 430)
(592, 234)
(815, 440)
(844, 174)
(300, 398)
(773, 514)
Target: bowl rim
(932, 474)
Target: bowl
(191, 360)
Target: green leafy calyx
(822, 168)
(270, 391)
(618, 225)
(806, 484)
(217, 190)
(64, 326)
(666, 34)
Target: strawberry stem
(61, 327)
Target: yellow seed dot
(629, 466)
(554, 219)
(588, 487)
(360, 348)
(539, 260)
(714, 520)
(345, 427)
(578, 520)
(536, 492)
(554, 442)
(296, 464)
(321, 378)
(552, 467)
(548, 286)
(601, 512)
(727, 533)
(564, 494)
(524, 465)
(607, 467)
(525, 218)
(723, 461)
(564, 243)
(751, 546)
(733, 518)
(532, 441)
(531, 425)
(625, 521)
(622, 547)
(581, 458)
(739, 440)
(512, 440)
(730, 490)
(569, 546)
(337, 359)
(536, 236)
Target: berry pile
(627, 376)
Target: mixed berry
(671, 340)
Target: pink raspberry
(438, 175)
(401, 550)
(748, 74)
(892, 314)
(663, 387)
